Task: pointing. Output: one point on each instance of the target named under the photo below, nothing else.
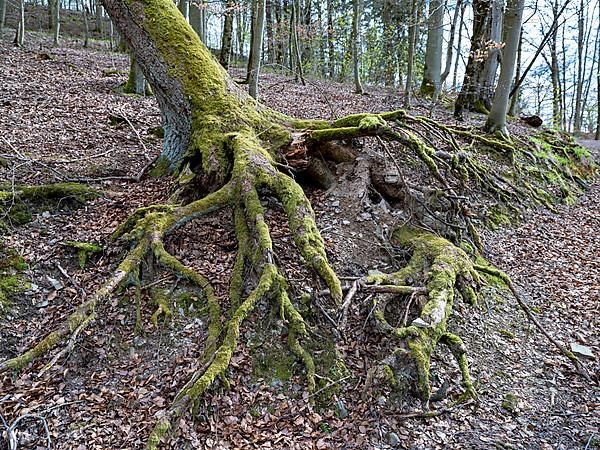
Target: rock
(346, 222)
(393, 439)
(341, 410)
(56, 284)
(46, 214)
(335, 204)
(420, 323)
(582, 350)
(365, 216)
(381, 401)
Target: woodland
(299, 224)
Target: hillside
(62, 118)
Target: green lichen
(510, 403)
(12, 281)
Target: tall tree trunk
(98, 14)
(56, 20)
(198, 19)
(580, 58)
(271, 46)
(450, 48)
(554, 75)
(357, 7)
(431, 83)
(20, 34)
(494, 52)
(296, 55)
(330, 39)
(388, 41)
(470, 93)
(86, 27)
(184, 8)
(2, 16)
(256, 53)
(458, 46)
(597, 136)
(227, 34)
(515, 92)
(412, 44)
(496, 121)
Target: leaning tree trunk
(496, 121)
(431, 83)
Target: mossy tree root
(444, 269)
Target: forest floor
(56, 106)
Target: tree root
(443, 268)
(253, 169)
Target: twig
(347, 300)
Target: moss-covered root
(445, 269)
(84, 314)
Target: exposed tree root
(444, 269)
(436, 270)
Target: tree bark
(496, 121)
(256, 53)
(356, 5)
(184, 7)
(198, 19)
(2, 16)
(482, 62)
(412, 43)
(56, 22)
(431, 83)
(225, 54)
(450, 49)
(580, 58)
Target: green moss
(510, 403)
(11, 279)
(84, 250)
(506, 333)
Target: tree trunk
(412, 43)
(56, 21)
(86, 27)
(580, 58)
(493, 57)
(475, 93)
(184, 7)
(515, 93)
(20, 35)
(227, 34)
(458, 46)
(330, 39)
(450, 49)
(356, 4)
(98, 14)
(431, 83)
(388, 41)
(496, 121)
(256, 53)
(597, 136)
(198, 19)
(296, 55)
(2, 16)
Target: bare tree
(357, 7)
(431, 83)
(496, 121)
(256, 44)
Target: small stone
(365, 216)
(381, 401)
(346, 222)
(335, 204)
(341, 410)
(138, 341)
(46, 214)
(582, 350)
(393, 439)
(420, 323)
(56, 284)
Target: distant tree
(431, 84)
(357, 6)
(227, 35)
(258, 25)
(496, 121)
(477, 88)
(2, 16)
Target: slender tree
(56, 22)
(450, 48)
(412, 46)
(2, 16)
(496, 121)
(256, 52)
(357, 7)
(227, 36)
(432, 83)
(580, 68)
